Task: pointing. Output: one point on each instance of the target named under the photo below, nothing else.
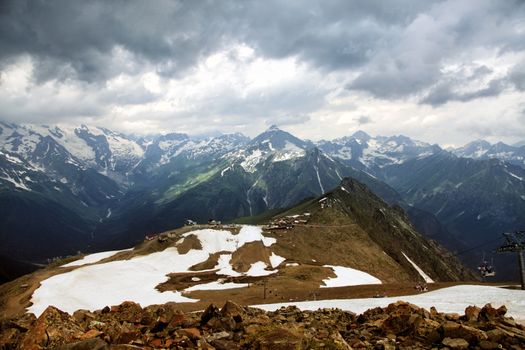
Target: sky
(444, 72)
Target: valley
(91, 189)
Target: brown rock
(93, 333)
(156, 343)
(279, 339)
(129, 311)
(83, 315)
(192, 333)
(232, 309)
(52, 328)
(455, 343)
(472, 313)
(89, 344)
(222, 344)
(488, 345)
(126, 335)
(429, 329)
(9, 338)
(488, 313)
(456, 330)
(23, 322)
(211, 311)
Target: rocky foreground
(128, 326)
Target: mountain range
(66, 189)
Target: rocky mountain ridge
(129, 326)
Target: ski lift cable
(478, 246)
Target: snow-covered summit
(481, 149)
(369, 153)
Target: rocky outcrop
(128, 326)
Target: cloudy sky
(440, 71)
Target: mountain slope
(387, 226)
(369, 243)
(476, 200)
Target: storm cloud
(241, 65)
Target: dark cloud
(364, 119)
(517, 76)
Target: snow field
(93, 258)
(346, 276)
(95, 286)
(449, 300)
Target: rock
(128, 311)
(192, 333)
(9, 338)
(456, 330)
(488, 313)
(222, 344)
(488, 345)
(220, 335)
(83, 316)
(495, 335)
(23, 322)
(93, 333)
(210, 312)
(279, 339)
(429, 329)
(472, 313)
(89, 344)
(52, 328)
(455, 343)
(232, 309)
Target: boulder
(52, 328)
(455, 343)
(128, 311)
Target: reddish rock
(192, 333)
(52, 328)
(472, 313)
(129, 311)
(93, 333)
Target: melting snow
(250, 162)
(276, 260)
(135, 279)
(259, 269)
(346, 276)
(93, 258)
(514, 175)
(216, 285)
(290, 151)
(419, 270)
(450, 300)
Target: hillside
(370, 243)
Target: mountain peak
(273, 127)
(361, 135)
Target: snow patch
(346, 276)
(250, 162)
(259, 269)
(419, 270)
(116, 281)
(216, 285)
(449, 300)
(276, 260)
(93, 258)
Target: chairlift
(486, 269)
